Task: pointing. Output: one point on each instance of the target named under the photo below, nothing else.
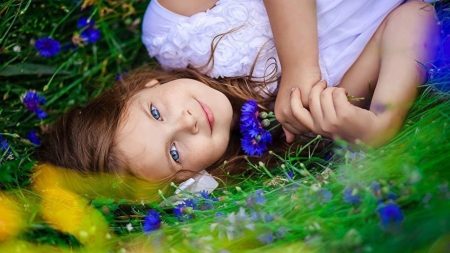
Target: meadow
(57, 54)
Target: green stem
(63, 20)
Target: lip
(208, 114)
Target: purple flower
(33, 138)
(47, 46)
(84, 21)
(391, 215)
(90, 35)
(152, 221)
(4, 145)
(350, 198)
(31, 100)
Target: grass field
(56, 54)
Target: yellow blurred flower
(11, 218)
(70, 213)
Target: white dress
(176, 41)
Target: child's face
(179, 125)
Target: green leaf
(30, 69)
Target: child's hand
(283, 110)
(332, 115)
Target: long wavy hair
(83, 139)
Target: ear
(152, 83)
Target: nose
(187, 122)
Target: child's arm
(294, 27)
(187, 8)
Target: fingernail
(293, 88)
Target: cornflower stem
(263, 166)
(64, 19)
(272, 128)
(353, 98)
(303, 171)
(165, 199)
(318, 137)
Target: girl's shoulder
(187, 8)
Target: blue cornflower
(84, 22)
(266, 238)
(376, 189)
(350, 198)
(289, 175)
(33, 138)
(183, 211)
(324, 196)
(205, 194)
(4, 145)
(31, 100)
(255, 137)
(391, 215)
(207, 201)
(249, 112)
(47, 46)
(152, 221)
(253, 146)
(256, 198)
(90, 35)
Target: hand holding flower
(332, 115)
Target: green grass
(305, 212)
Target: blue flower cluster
(47, 46)
(152, 221)
(184, 211)
(89, 34)
(351, 196)
(391, 216)
(31, 100)
(254, 137)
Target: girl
(165, 125)
(355, 47)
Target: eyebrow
(145, 110)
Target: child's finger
(340, 102)
(299, 112)
(327, 104)
(314, 100)
(290, 137)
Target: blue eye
(155, 112)
(174, 153)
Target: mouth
(208, 114)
